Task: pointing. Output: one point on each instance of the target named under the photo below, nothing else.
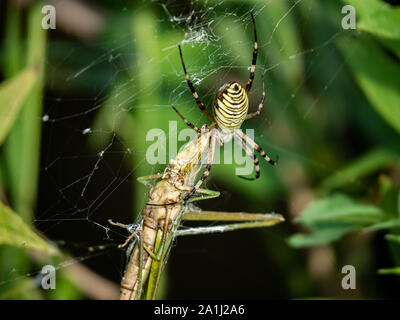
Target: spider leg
(254, 61)
(192, 89)
(260, 106)
(206, 171)
(251, 155)
(186, 121)
(256, 147)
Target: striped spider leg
(192, 89)
(230, 110)
(254, 60)
(248, 84)
(224, 135)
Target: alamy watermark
(48, 277)
(156, 153)
(49, 20)
(349, 20)
(349, 280)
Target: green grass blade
(23, 144)
(13, 231)
(393, 238)
(395, 271)
(377, 18)
(154, 270)
(376, 74)
(22, 147)
(390, 224)
(13, 51)
(13, 93)
(366, 164)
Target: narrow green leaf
(320, 237)
(12, 95)
(377, 17)
(12, 48)
(148, 89)
(66, 288)
(390, 271)
(393, 237)
(361, 167)
(384, 23)
(154, 271)
(285, 40)
(22, 147)
(393, 45)
(21, 289)
(394, 223)
(13, 231)
(332, 217)
(366, 7)
(340, 208)
(389, 194)
(376, 74)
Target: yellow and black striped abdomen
(231, 106)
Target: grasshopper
(165, 208)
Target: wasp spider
(230, 110)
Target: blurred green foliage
(332, 114)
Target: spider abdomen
(231, 106)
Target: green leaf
(340, 208)
(361, 167)
(323, 236)
(377, 75)
(13, 231)
(384, 23)
(390, 271)
(393, 45)
(22, 289)
(377, 17)
(12, 95)
(285, 41)
(389, 196)
(12, 46)
(390, 224)
(22, 148)
(66, 289)
(393, 237)
(366, 7)
(332, 217)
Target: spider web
(98, 111)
